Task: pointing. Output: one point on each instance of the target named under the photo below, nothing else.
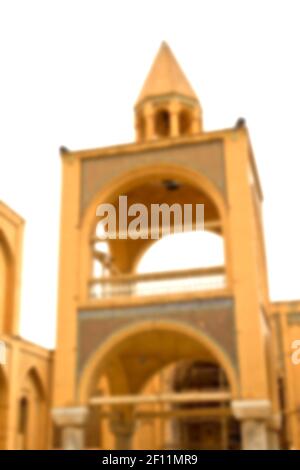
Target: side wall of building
(286, 328)
(25, 368)
(25, 395)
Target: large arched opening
(110, 267)
(151, 375)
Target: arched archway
(32, 413)
(196, 342)
(148, 186)
(162, 123)
(131, 357)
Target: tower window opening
(185, 123)
(162, 123)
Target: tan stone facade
(198, 358)
(25, 375)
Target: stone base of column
(254, 435)
(274, 427)
(273, 438)
(72, 438)
(253, 415)
(71, 420)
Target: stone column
(149, 121)
(274, 443)
(253, 415)
(275, 424)
(123, 433)
(174, 110)
(72, 421)
(196, 121)
(171, 429)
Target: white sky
(70, 73)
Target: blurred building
(176, 359)
(25, 368)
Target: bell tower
(167, 106)
(198, 336)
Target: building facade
(182, 359)
(25, 368)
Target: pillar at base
(254, 435)
(123, 433)
(72, 438)
(253, 415)
(72, 421)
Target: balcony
(158, 283)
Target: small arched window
(185, 122)
(23, 415)
(162, 123)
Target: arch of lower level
(129, 387)
(168, 340)
(157, 374)
(31, 415)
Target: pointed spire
(166, 77)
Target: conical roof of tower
(165, 77)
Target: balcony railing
(191, 280)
